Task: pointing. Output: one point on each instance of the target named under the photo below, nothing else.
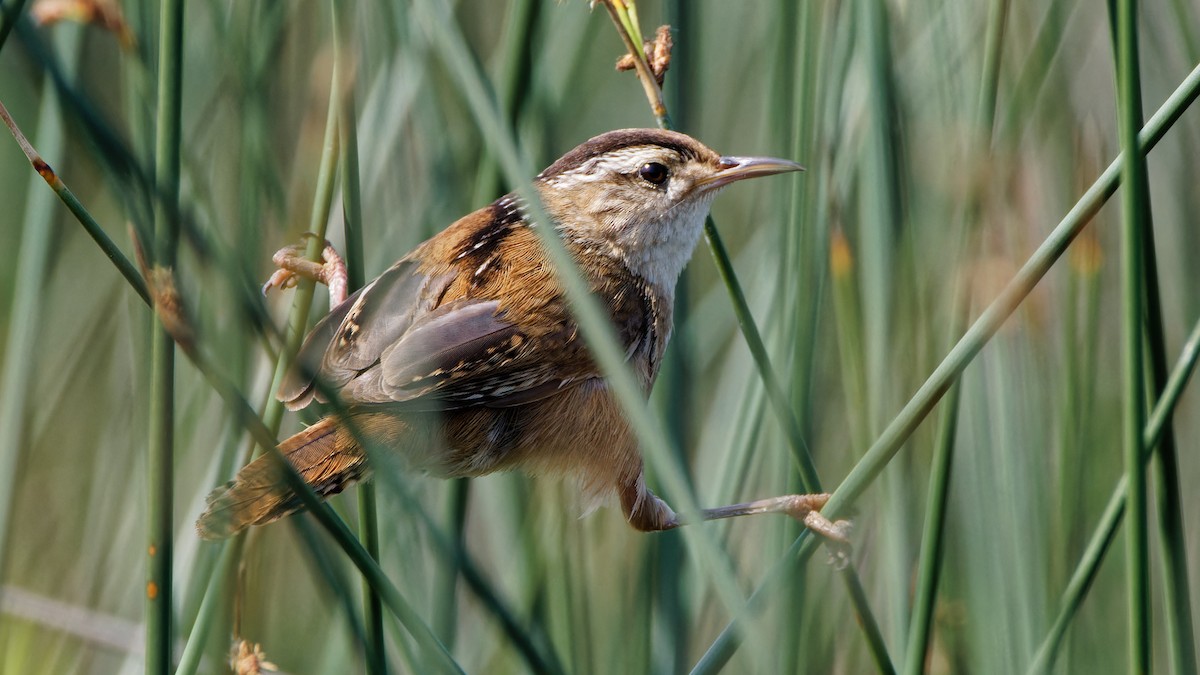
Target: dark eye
(653, 172)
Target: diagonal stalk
(622, 18)
(245, 416)
(17, 374)
(9, 13)
(964, 351)
(934, 530)
(97, 233)
(1106, 531)
(593, 321)
(929, 566)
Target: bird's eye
(653, 172)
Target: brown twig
(650, 82)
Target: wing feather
(431, 334)
(397, 342)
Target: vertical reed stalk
(623, 17)
(1176, 589)
(932, 538)
(193, 650)
(964, 351)
(243, 413)
(593, 321)
(979, 119)
(1135, 206)
(933, 535)
(160, 466)
(347, 121)
(1106, 531)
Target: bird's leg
(647, 512)
(293, 264)
(805, 508)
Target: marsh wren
(464, 356)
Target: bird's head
(642, 195)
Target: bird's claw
(281, 278)
(807, 509)
(836, 534)
(294, 265)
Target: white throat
(655, 249)
(659, 249)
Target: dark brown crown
(686, 146)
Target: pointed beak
(732, 169)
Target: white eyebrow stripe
(624, 160)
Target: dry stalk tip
(247, 658)
(657, 54)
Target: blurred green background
(943, 142)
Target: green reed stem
(515, 80)
(245, 416)
(932, 538)
(160, 464)
(93, 228)
(1176, 591)
(934, 531)
(193, 650)
(1135, 208)
(1176, 588)
(453, 552)
(347, 120)
(758, 349)
(9, 13)
(1106, 531)
(623, 18)
(305, 288)
(964, 351)
(593, 320)
(434, 651)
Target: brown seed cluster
(658, 55)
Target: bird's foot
(836, 534)
(806, 509)
(294, 265)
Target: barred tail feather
(325, 456)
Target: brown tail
(326, 456)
